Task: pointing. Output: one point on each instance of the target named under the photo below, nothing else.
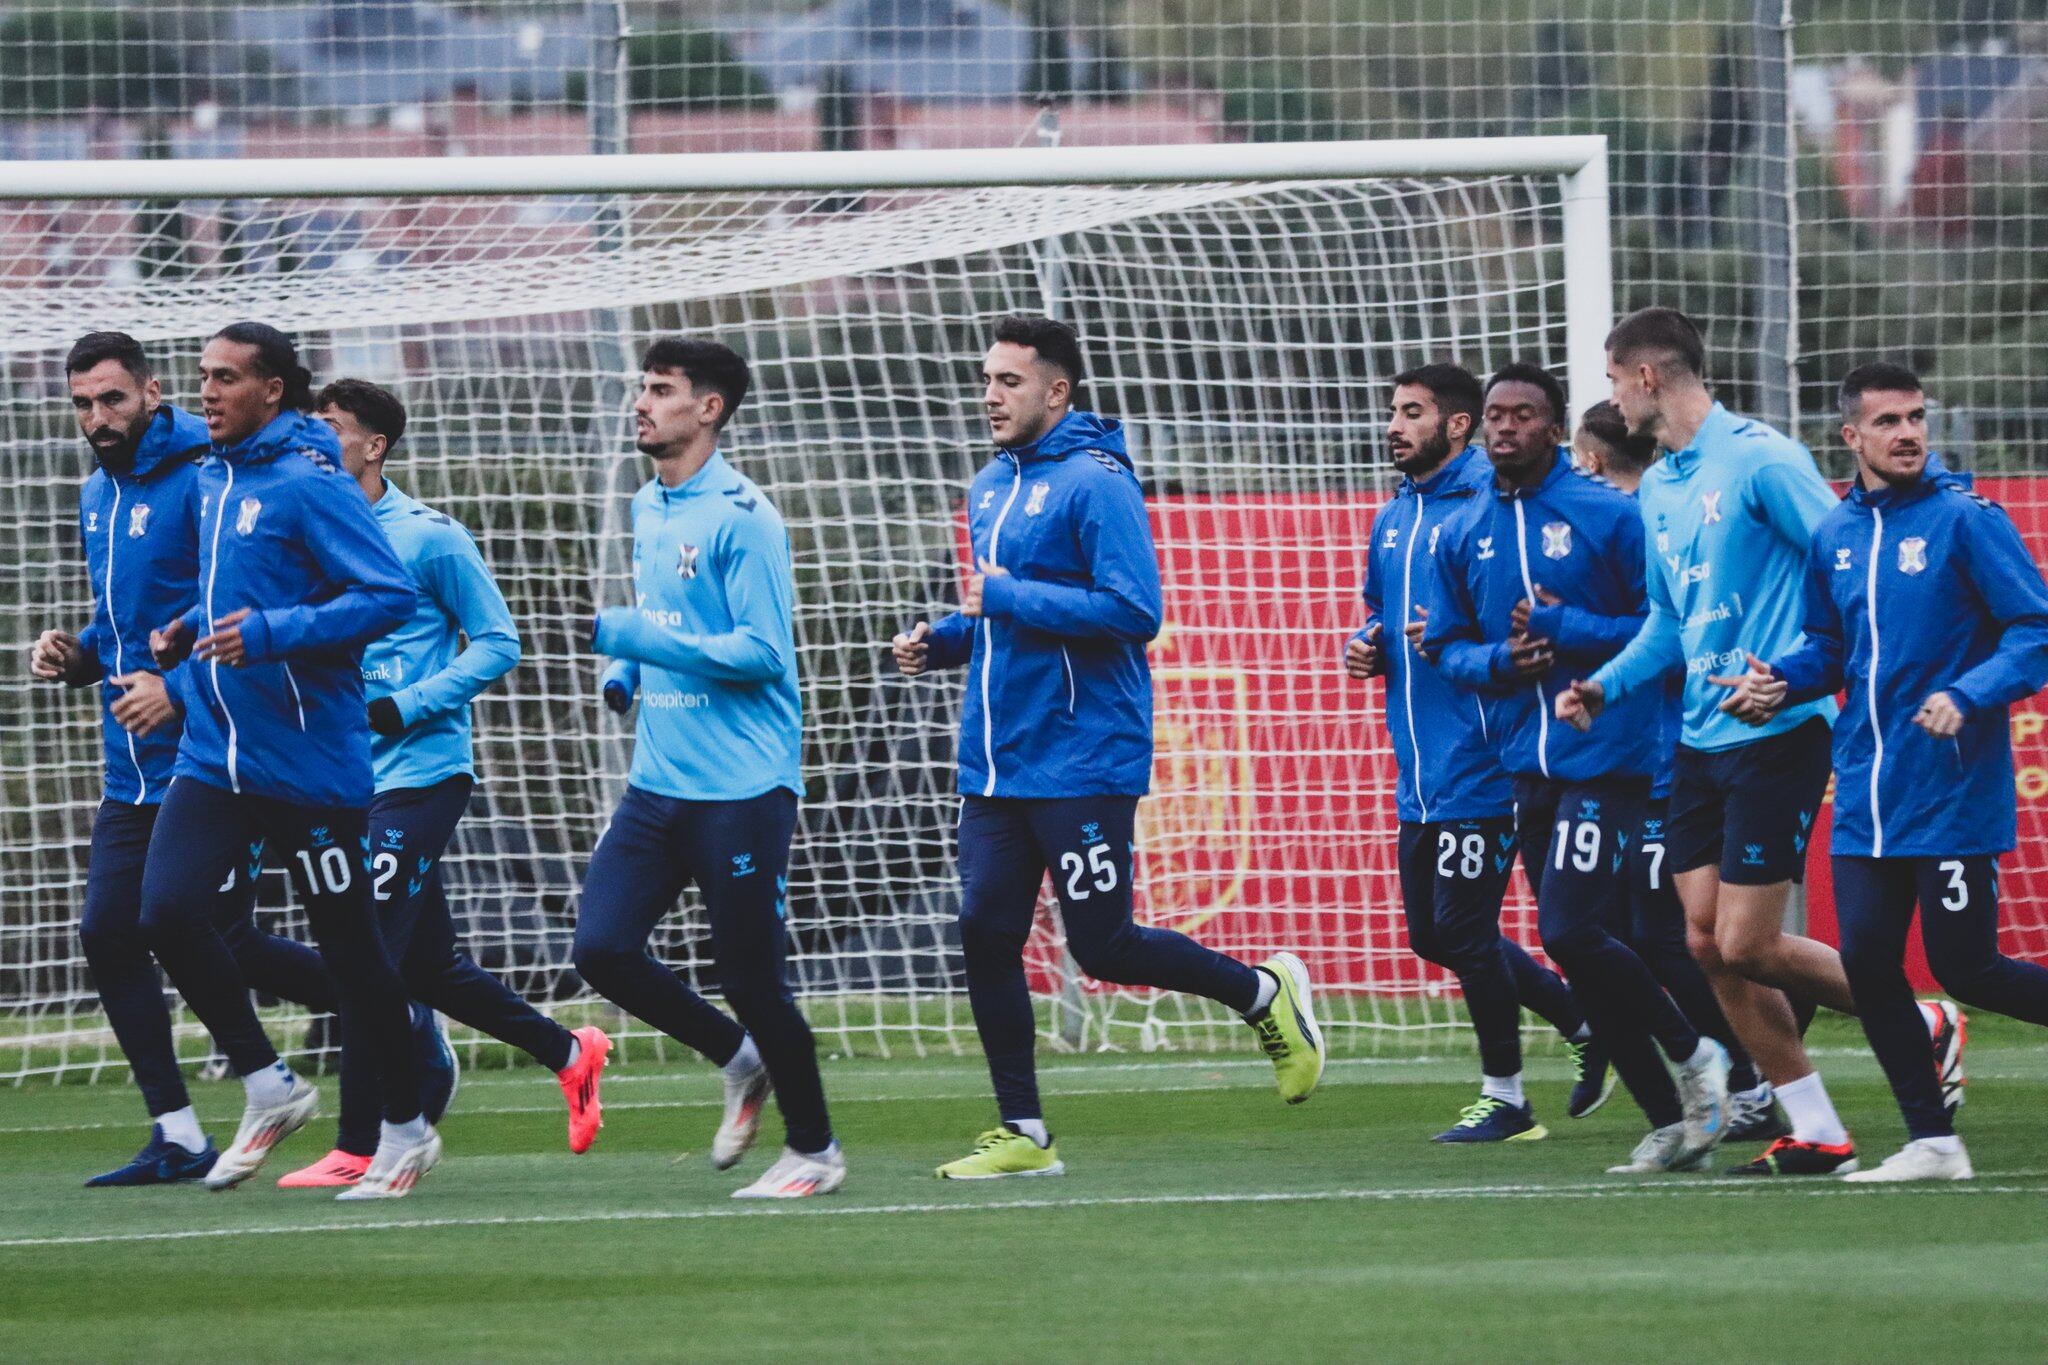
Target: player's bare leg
(1749, 930)
(1760, 1015)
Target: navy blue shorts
(1749, 809)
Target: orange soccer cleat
(335, 1169)
(580, 1081)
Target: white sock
(1812, 1113)
(1930, 1015)
(1507, 1088)
(182, 1127)
(269, 1084)
(403, 1134)
(1033, 1129)
(1947, 1146)
(575, 1051)
(1269, 986)
(745, 1062)
(1699, 1055)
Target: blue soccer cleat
(1593, 1078)
(438, 1069)
(1494, 1120)
(160, 1162)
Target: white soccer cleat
(263, 1127)
(397, 1167)
(796, 1176)
(741, 1123)
(1918, 1161)
(1703, 1090)
(1662, 1149)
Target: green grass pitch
(1200, 1218)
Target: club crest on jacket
(138, 520)
(1035, 504)
(245, 520)
(1557, 539)
(1913, 554)
(686, 563)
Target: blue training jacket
(1580, 539)
(284, 532)
(1059, 694)
(1729, 520)
(418, 665)
(141, 552)
(710, 644)
(1912, 591)
(1449, 770)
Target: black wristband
(384, 717)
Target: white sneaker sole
(827, 1186)
(410, 1169)
(237, 1163)
(1057, 1168)
(1701, 1140)
(732, 1141)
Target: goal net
(1242, 310)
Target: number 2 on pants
(1102, 865)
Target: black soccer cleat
(1790, 1156)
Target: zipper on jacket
(114, 624)
(988, 639)
(1068, 664)
(297, 700)
(1408, 657)
(1870, 687)
(220, 514)
(1529, 591)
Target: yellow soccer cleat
(1002, 1152)
(1287, 1029)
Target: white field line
(821, 1209)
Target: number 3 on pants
(1102, 865)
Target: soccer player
(1545, 536)
(1056, 738)
(1604, 447)
(1730, 513)
(710, 650)
(420, 680)
(1454, 802)
(135, 516)
(294, 578)
(1922, 596)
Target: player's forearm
(2016, 670)
(737, 656)
(1583, 634)
(1812, 671)
(362, 613)
(1644, 660)
(1475, 665)
(1070, 612)
(482, 662)
(951, 641)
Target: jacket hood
(285, 432)
(1934, 478)
(1075, 432)
(172, 435)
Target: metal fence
(1817, 180)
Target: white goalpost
(1242, 309)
